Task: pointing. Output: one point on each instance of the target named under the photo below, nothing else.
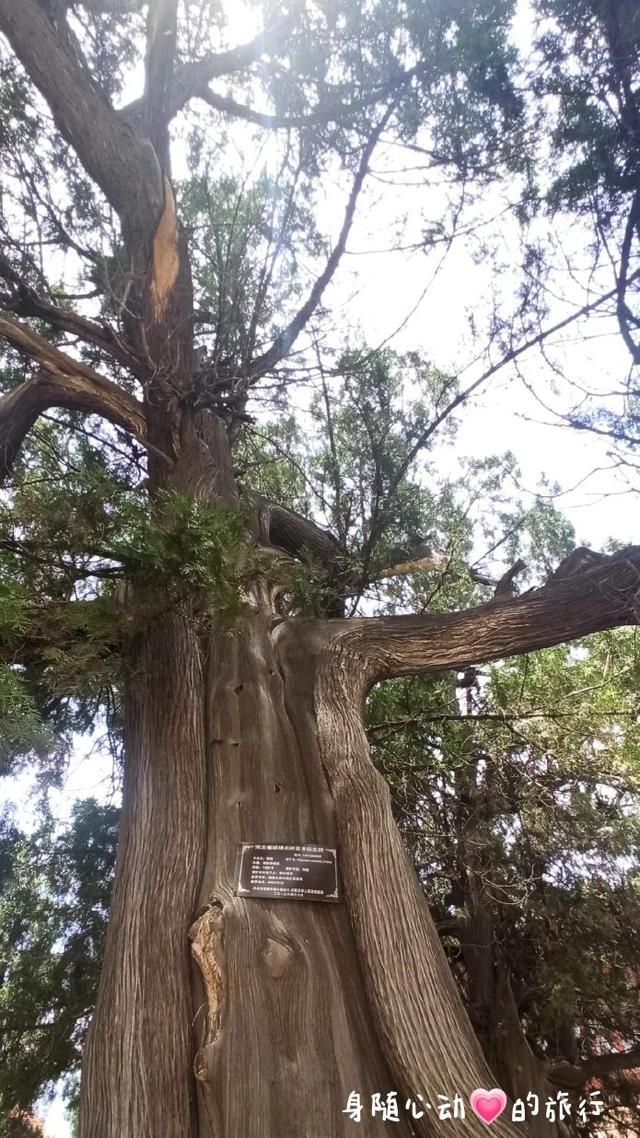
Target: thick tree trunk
(137, 1076)
(282, 1023)
(521, 1072)
(287, 1006)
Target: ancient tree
(219, 1015)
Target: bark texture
(282, 1024)
(137, 1073)
(418, 1015)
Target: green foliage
(591, 59)
(54, 896)
(245, 235)
(368, 427)
(585, 78)
(527, 779)
(186, 547)
(21, 729)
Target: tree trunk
(287, 1006)
(137, 1067)
(283, 1029)
(521, 1072)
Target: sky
(413, 302)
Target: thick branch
(21, 408)
(58, 363)
(159, 64)
(606, 597)
(566, 1075)
(26, 302)
(294, 533)
(191, 79)
(61, 382)
(122, 164)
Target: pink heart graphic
(488, 1105)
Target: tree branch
(462, 396)
(283, 343)
(113, 7)
(228, 106)
(56, 362)
(26, 302)
(607, 596)
(566, 1075)
(294, 533)
(191, 79)
(61, 382)
(623, 278)
(162, 18)
(122, 164)
(20, 409)
(332, 108)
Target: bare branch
(191, 79)
(56, 362)
(283, 343)
(231, 107)
(633, 223)
(61, 382)
(607, 596)
(20, 409)
(26, 302)
(566, 1075)
(332, 109)
(510, 357)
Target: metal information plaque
(299, 873)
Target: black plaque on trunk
(299, 873)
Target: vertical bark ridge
(140, 1039)
(419, 1018)
(294, 1035)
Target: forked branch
(607, 596)
(25, 301)
(191, 79)
(60, 382)
(122, 163)
(283, 343)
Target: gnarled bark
(282, 1025)
(137, 1071)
